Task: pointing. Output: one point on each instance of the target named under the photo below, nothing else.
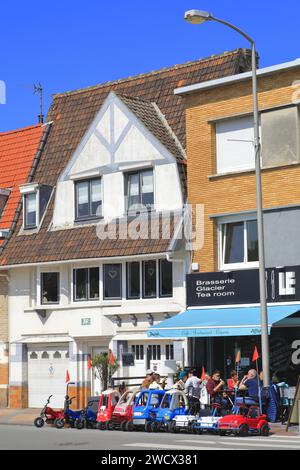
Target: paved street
(28, 437)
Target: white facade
(47, 340)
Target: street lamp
(199, 17)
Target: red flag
(89, 362)
(238, 357)
(203, 374)
(67, 377)
(255, 355)
(111, 358)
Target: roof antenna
(38, 89)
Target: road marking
(155, 446)
(254, 445)
(196, 442)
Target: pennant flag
(67, 377)
(203, 374)
(111, 358)
(89, 362)
(238, 357)
(255, 355)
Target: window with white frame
(30, 210)
(154, 352)
(138, 351)
(88, 199)
(35, 201)
(238, 244)
(86, 284)
(139, 190)
(149, 279)
(4, 194)
(50, 288)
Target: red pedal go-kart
(244, 421)
(123, 411)
(107, 403)
(48, 415)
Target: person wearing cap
(180, 384)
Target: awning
(214, 322)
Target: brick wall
(233, 193)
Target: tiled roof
(18, 149)
(72, 113)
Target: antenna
(38, 89)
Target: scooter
(48, 415)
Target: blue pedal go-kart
(144, 411)
(174, 403)
(69, 416)
(88, 417)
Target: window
(154, 352)
(149, 279)
(239, 243)
(30, 210)
(133, 280)
(139, 190)
(50, 288)
(165, 278)
(169, 352)
(112, 281)
(138, 351)
(3, 200)
(88, 197)
(234, 140)
(280, 136)
(86, 284)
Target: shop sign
(242, 287)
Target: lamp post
(199, 17)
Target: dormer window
(35, 201)
(4, 194)
(88, 199)
(140, 190)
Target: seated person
(233, 382)
(252, 385)
(214, 386)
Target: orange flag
(203, 374)
(238, 357)
(255, 355)
(67, 377)
(111, 358)
(89, 362)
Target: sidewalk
(26, 417)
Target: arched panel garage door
(47, 366)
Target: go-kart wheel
(155, 426)
(110, 426)
(222, 433)
(264, 430)
(79, 424)
(171, 426)
(129, 426)
(123, 426)
(59, 423)
(99, 426)
(148, 426)
(243, 430)
(39, 422)
(191, 429)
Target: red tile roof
(18, 149)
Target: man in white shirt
(192, 388)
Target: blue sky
(67, 45)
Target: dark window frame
(88, 298)
(143, 279)
(139, 351)
(42, 288)
(121, 281)
(89, 216)
(128, 297)
(142, 207)
(26, 225)
(164, 296)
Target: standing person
(192, 387)
(155, 384)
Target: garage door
(47, 366)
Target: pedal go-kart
(88, 417)
(207, 423)
(69, 416)
(107, 403)
(123, 411)
(145, 409)
(48, 415)
(244, 421)
(174, 403)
